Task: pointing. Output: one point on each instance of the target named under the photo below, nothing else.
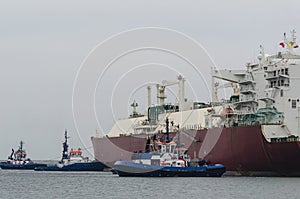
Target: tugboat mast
(167, 129)
(65, 147)
(21, 145)
(178, 140)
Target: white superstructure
(272, 83)
(266, 93)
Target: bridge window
(294, 103)
(168, 148)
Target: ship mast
(134, 112)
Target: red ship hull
(243, 150)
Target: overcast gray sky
(43, 44)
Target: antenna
(289, 43)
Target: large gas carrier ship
(255, 132)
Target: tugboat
(170, 160)
(73, 161)
(18, 160)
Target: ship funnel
(181, 91)
(214, 85)
(160, 94)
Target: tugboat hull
(7, 166)
(131, 169)
(87, 166)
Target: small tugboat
(18, 160)
(73, 161)
(170, 160)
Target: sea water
(41, 184)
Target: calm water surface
(32, 184)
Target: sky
(46, 46)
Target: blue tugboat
(17, 160)
(73, 161)
(169, 160)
